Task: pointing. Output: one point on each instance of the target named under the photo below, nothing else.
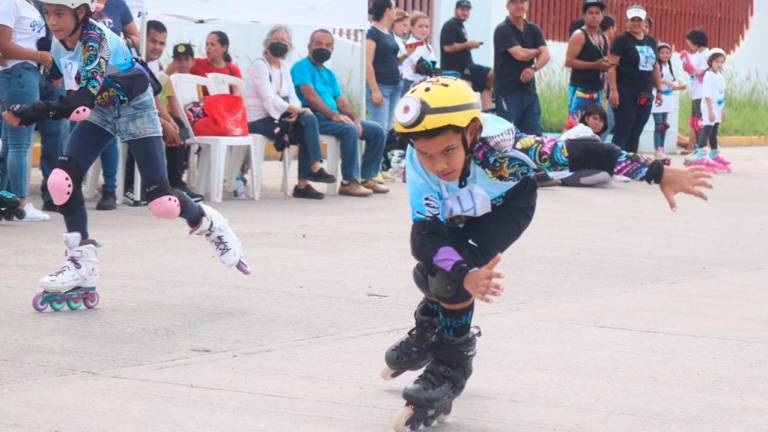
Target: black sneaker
(321, 176)
(194, 196)
(132, 199)
(307, 193)
(108, 200)
(49, 206)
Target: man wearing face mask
(318, 89)
(270, 96)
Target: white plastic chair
(212, 170)
(223, 84)
(333, 150)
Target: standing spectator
(633, 80)
(20, 28)
(587, 56)
(414, 66)
(116, 15)
(177, 156)
(456, 55)
(401, 27)
(382, 71)
(270, 96)
(319, 90)
(520, 52)
(217, 58)
(695, 63)
(608, 27)
(661, 112)
(53, 133)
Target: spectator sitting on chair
(217, 58)
(521, 52)
(177, 152)
(456, 53)
(270, 96)
(319, 90)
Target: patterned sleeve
(544, 152)
(633, 166)
(96, 56)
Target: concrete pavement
(618, 316)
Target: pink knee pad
(696, 124)
(60, 186)
(165, 207)
(80, 114)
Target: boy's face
(595, 123)
(185, 63)
(442, 155)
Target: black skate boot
(414, 351)
(10, 207)
(430, 398)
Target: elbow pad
(655, 172)
(72, 105)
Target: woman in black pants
(632, 80)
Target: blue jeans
(523, 110)
(53, 134)
(659, 137)
(18, 85)
(383, 114)
(630, 119)
(374, 137)
(310, 151)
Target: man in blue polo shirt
(318, 89)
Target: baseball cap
(589, 3)
(183, 49)
(463, 4)
(636, 11)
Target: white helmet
(72, 4)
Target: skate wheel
(91, 300)
(58, 305)
(388, 374)
(403, 420)
(74, 304)
(38, 304)
(442, 418)
(243, 267)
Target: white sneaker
(34, 215)
(80, 270)
(224, 241)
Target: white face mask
(471, 201)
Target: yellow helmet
(435, 103)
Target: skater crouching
(114, 98)
(469, 203)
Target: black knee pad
(662, 127)
(592, 154)
(65, 185)
(438, 286)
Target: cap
(664, 45)
(636, 12)
(589, 3)
(463, 4)
(183, 49)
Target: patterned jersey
(98, 53)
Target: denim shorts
(137, 119)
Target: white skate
(218, 233)
(80, 270)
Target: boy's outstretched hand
(481, 283)
(689, 181)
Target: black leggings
(87, 141)
(709, 133)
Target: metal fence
(726, 21)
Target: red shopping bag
(225, 115)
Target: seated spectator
(217, 58)
(270, 96)
(414, 67)
(177, 152)
(319, 90)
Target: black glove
(31, 113)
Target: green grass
(747, 105)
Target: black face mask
(321, 55)
(278, 49)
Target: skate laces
(71, 262)
(221, 245)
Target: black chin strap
(467, 161)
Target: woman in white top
(21, 26)
(271, 96)
(419, 43)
